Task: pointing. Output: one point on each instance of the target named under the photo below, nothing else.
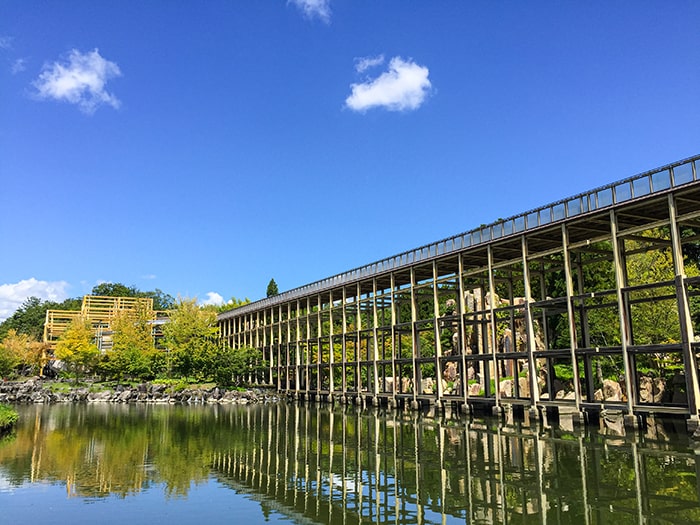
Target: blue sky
(203, 148)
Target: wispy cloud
(5, 42)
(404, 86)
(212, 298)
(364, 63)
(19, 65)
(13, 295)
(320, 9)
(80, 81)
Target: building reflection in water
(349, 466)
(316, 464)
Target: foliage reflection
(342, 465)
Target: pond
(285, 463)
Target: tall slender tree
(272, 289)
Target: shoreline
(38, 391)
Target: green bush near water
(8, 417)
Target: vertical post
(396, 378)
(415, 340)
(331, 340)
(344, 344)
(436, 335)
(375, 322)
(686, 321)
(297, 356)
(493, 343)
(282, 347)
(358, 343)
(260, 348)
(530, 331)
(570, 313)
(630, 419)
(464, 377)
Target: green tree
(76, 349)
(133, 351)
(161, 300)
(10, 351)
(115, 290)
(29, 318)
(272, 289)
(191, 337)
(233, 366)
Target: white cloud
(213, 298)
(404, 86)
(5, 42)
(364, 63)
(19, 65)
(13, 295)
(80, 81)
(314, 8)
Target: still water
(314, 464)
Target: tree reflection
(348, 466)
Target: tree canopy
(161, 300)
(29, 318)
(272, 288)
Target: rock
(450, 372)
(38, 391)
(612, 391)
(524, 386)
(646, 386)
(99, 397)
(124, 396)
(475, 389)
(506, 388)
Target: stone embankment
(37, 391)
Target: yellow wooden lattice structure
(100, 311)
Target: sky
(203, 148)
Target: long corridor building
(588, 303)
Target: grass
(8, 417)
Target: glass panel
(532, 220)
(592, 201)
(623, 192)
(476, 237)
(604, 198)
(661, 180)
(519, 224)
(573, 207)
(497, 230)
(545, 216)
(584, 204)
(641, 186)
(486, 234)
(508, 228)
(683, 174)
(558, 212)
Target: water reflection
(310, 463)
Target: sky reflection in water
(311, 464)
